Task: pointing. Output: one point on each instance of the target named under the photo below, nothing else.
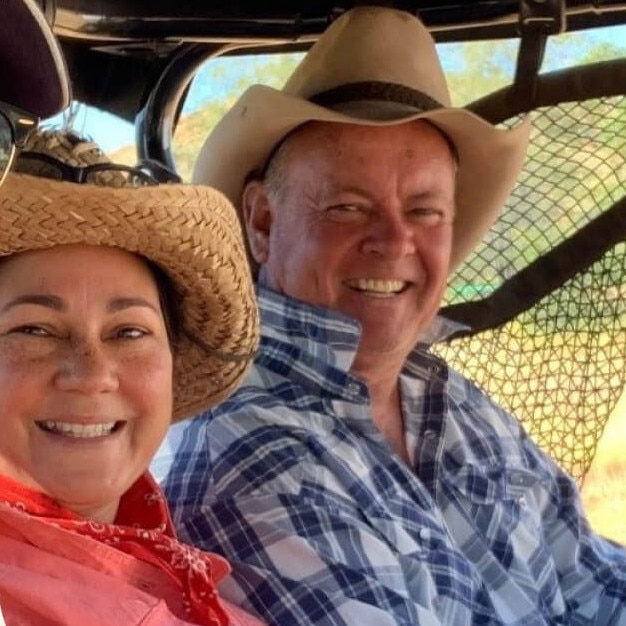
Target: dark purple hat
(33, 75)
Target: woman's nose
(86, 368)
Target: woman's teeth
(78, 430)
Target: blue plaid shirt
(323, 524)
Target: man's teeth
(377, 286)
(78, 430)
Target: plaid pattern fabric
(324, 525)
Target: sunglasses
(104, 174)
(15, 126)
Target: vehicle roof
(116, 49)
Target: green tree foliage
(476, 69)
(231, 76)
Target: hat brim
(191, 232)
(34, 76)
(490, 158)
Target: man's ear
(257, 217)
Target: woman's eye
(31, 329)
(131, 332)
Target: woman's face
(85, 374)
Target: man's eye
(345, 213)
(426, 215)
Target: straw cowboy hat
(191, 232)
(33, 75)
(373, 66)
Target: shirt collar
(297, 318)
(334, 336)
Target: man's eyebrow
(118, 304)
(45, 300)
(416, 196)
(425, 196)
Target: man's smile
(377, 287)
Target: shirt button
(424, 534)
(522, 502)
(433, 369)
(429, 434)
(353, 388)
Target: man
(354, 478)
(33, 77)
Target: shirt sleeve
(519, 518)
(300, 562)
(591, 569)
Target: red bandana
(143, 529)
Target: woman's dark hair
(169, 301)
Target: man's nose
(390, 237)
(86, 368)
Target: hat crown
(340, 57)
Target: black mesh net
(546, 292)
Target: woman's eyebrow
(58, 304)
(46, 300)
(118, 304)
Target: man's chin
(393, 336)
(388, 345)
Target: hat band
(375, 90)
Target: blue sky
(112, 133)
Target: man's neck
(383, 387)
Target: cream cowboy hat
(191, 232)
(373, 66)
(33, 75)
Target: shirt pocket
(496, 516)
(500, 500)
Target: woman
(120, 310)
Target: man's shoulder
(487, 433)
(470, 418)
(236, 449)
(253, 416)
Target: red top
(56, 563)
